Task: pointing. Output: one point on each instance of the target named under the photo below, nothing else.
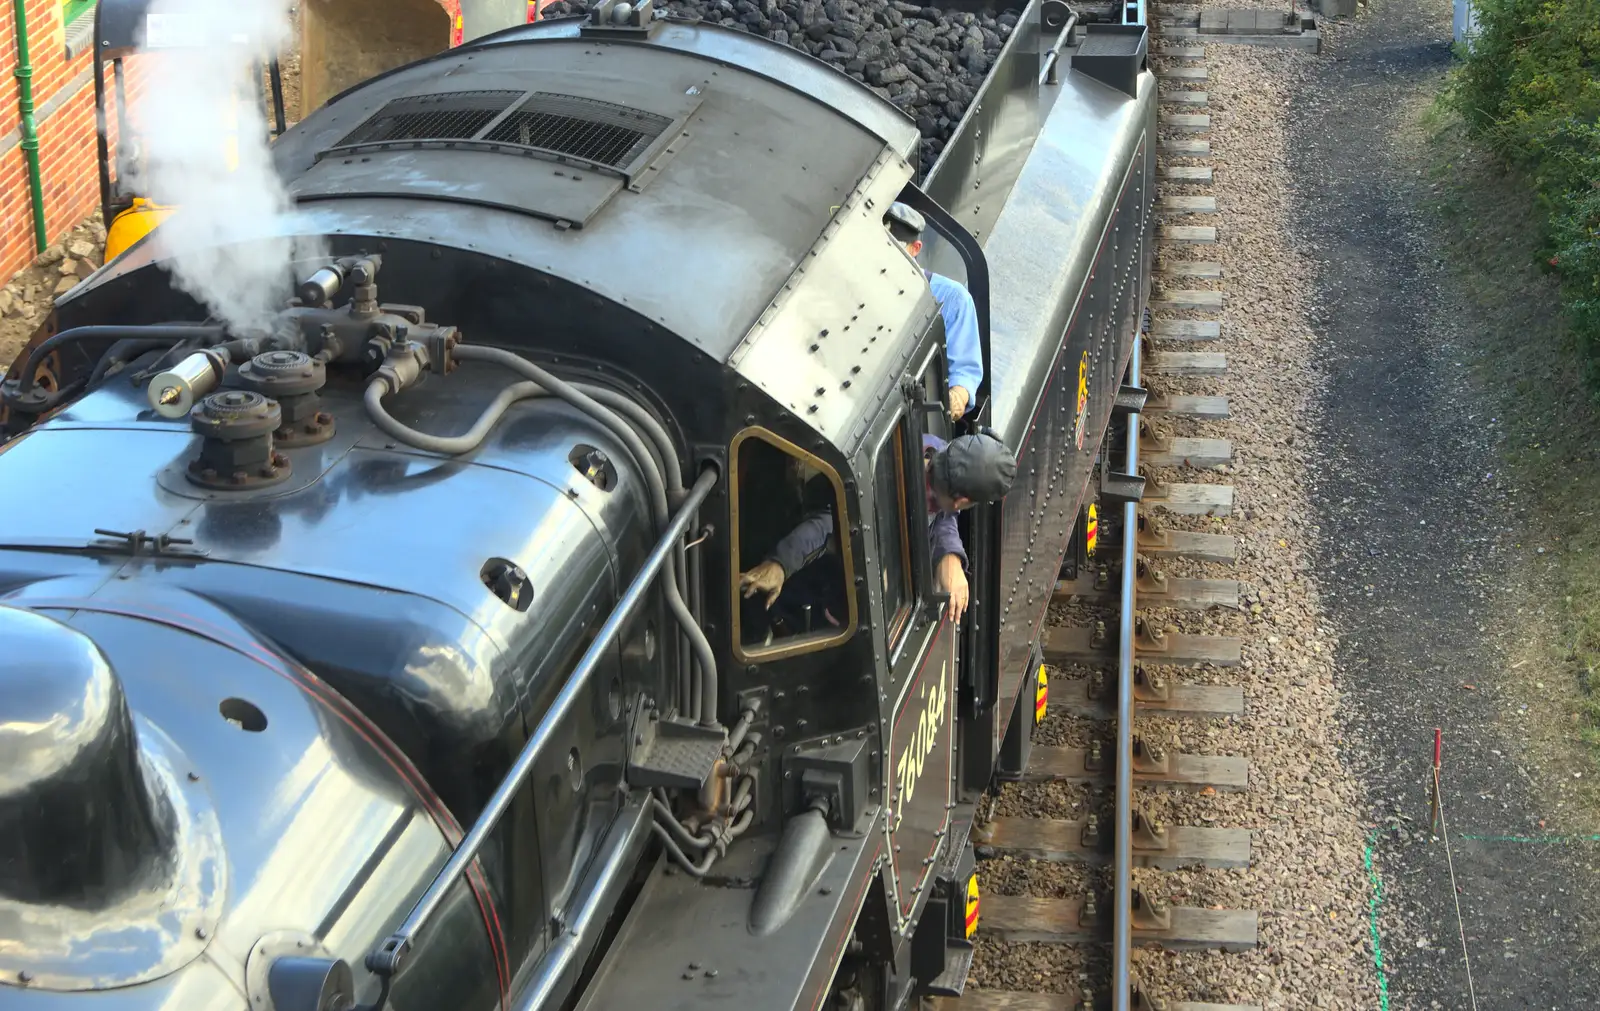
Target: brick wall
(63, 97)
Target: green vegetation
(1530, 90)
(1530, 370)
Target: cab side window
(787, 510)
(893, 509)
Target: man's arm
(963, 350)
(799, 548)
(949, 563)
(945, 538)
(804, 543)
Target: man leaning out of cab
(968, 470)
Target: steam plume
(205, 150)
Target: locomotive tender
(393, 655)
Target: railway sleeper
(1157, 541)
(1157, 846)
(1155, 588)
(1181, 204)
(1094, 697)
(1197, 235)
(1189, 268)
(1156, 924)
(1094, 645)
(1154, 767)
(1085, 1000)
(1186, 329)
(1188, 363)
(1185, 452)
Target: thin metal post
(387, 958)
(1122, 882)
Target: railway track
(1076, 894)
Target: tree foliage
(1530, 87)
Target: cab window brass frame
(784, 649)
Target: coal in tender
(927, 61)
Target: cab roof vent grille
(458, 115)
(599, 132)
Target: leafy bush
(1530, 87)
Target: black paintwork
(727, 290)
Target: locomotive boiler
(389, 654)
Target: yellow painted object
(1041, 696)
(134, 224)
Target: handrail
(386, 959)
(1122, 881)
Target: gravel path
(1419, 554)
(1306, 876)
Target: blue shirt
(961, 346)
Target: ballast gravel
(1306, 877)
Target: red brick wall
(65, 91)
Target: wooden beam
(1023, 918)
(1056, 841)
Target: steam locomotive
(391, 655)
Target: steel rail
(389, 956)
(1122, 882)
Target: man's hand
(764, 578)
(959, 399)
(953, 581)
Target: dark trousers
(819, 585)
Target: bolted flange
(237, 450)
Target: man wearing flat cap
(968, 470)
(962, 348)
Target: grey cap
(905, 216)
(977, 467)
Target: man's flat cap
(906, 216)
(978, 467)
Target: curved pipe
(707, 707)
(171, 333)
(452, 445)
(122, 352)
